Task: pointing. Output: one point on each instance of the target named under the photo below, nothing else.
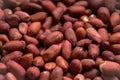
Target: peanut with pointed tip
(38, 61)
(61, 62)
(39, 16)
(26, 60)
(94, 35)
(57, 13)
(52, 52)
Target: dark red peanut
(4, 27)
(93, 51)
(78, 24)
(103, 32)
(87, 64)
(108, 55)
(57, 13)
(56, 74)
(12, 20)
(26, 60)
(31, 48)
(76, 10)
(45, 75)
(81, 3)
(61, 62)
(78, 53)
(77, 68)
(14, 34)
(94, 35)
(69, 18)
(91, 74)
(15, 55)
(30, 39)
(114, 19)
(104, 14)
(115, 38)
(24, 16)
(72, 38)
(33, 73)
(110, 71)
(34, 28)
(16, 69)
(48, 23)
(66, 25)
(80, 33)
(53, 38)
(66, 49)
(42, 35)
(39, 16)
(60, 4)
(38, 61)
(51, 52)
(14, 45)
(96, 22)
(50, 66)
(84, 42)
(115, 48)
(45, 5)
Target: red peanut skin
(56, 74)
(72, 38)
(15, 55)
(45, 75)
(16, 69)
(33, 73)
(34, 28)
(94, 35)
(77, 68)
(26, 60)
(66, 49)
(114, 19)
(115, 38)
(53, 38)
(93, 51)
(51, 52)
(14, 45)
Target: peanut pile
(59, 40)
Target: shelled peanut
(59, 40)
